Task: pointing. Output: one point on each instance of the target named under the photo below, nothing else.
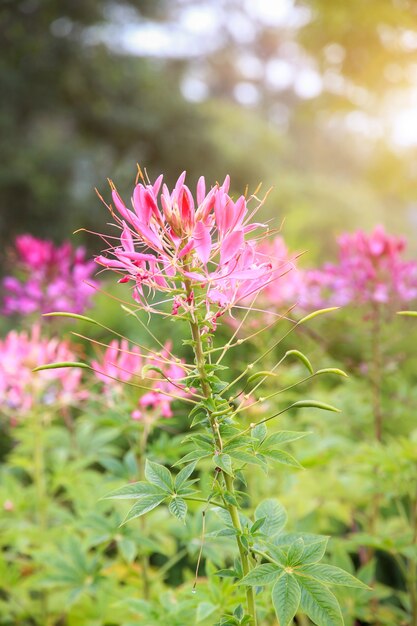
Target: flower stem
(233, 511)
(144, 560)
(234, 514)
(39, 480)
(376, 376)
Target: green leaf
(301, 357)
(314, 552)
(259, 432)
(133, 491)
(205, 609)
(224, 462)
(184, 475)
(407, 313)
(284, 436)
(286, 595)
(257, 525)
(314, 404)
(275, 516)
(316, 313)
(195, 455)
(261, 575)
(282, 457)
(128, 549)
(178, 508)
(227, 573)
(159, 475)
(230, 498)
(246, 457)
(331, 575)
(294, 553)
(319, 603)
(144, 505)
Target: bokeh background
(317, 99)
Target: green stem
(234, 514)
(233, 511)
(412, 578)
(144, 561)
(39, 480)
(376, 374)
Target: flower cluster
(198, 251)
(51, 278)
(370, 270)
(20, 388)
(123, 363)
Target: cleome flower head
(371, 269)
(122, 362)
(198, 251)
(20, 388)
(50, 278)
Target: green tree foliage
(74, 113)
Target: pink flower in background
(123, 363)
(20, 388)
(49, 278)
(286, 290)
(370, 270)
(170, 243)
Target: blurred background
(315, 98)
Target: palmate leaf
(194, 455)
(144, 505)
(159, 475)
(294, 554)
(184, 475)
(282, 437)
(286, 596)
(318, 602)
(134, 491)
(332, 575)
(224, 462)
(178, 508)
(314, 552)
(275, 517)
(261, 575)
(282, 457)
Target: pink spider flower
(286, 290)
(123, 363)
(21, 388)
(50, 278)
(198, 252)
(370, 270)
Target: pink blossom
(21, 388)
(123, 363)
(170, 243)
(51, 278)
(286, 289)
(370, 270)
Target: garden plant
(149, 477)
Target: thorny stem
(233, 511)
